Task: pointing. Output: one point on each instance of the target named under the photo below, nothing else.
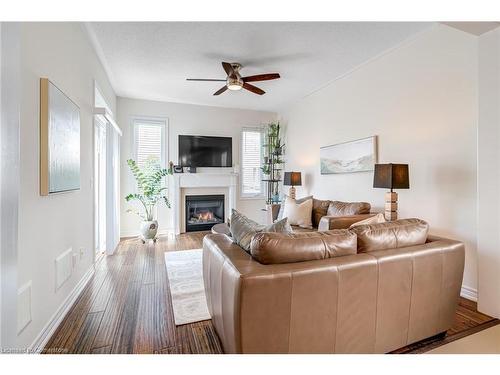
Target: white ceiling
(152, 60)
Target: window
(149, 141)
(251, 161)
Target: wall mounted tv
(203, 151)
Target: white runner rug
(185, 274)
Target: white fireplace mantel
(204, 181)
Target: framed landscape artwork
(59, 141)
(348, 157)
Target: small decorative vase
(149, 230)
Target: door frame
(10, 91)
(95, 193)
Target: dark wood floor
(126, 308)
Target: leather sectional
(370, 289)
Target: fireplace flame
(206, 216)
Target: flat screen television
(203, 151)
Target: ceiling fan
(235, 81)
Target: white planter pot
(149, 230)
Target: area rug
(185, 275)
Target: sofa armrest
(340, 222)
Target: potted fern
(149, 179)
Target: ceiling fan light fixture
(234, 87)
(234, 84)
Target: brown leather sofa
(327, 214)
(370, 289)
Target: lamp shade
(391, 176)
(292, 179)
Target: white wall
(9, 179)
(183, 119)
(50, 225)
(420, 99)
(488, 243)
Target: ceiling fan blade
(253, 89)
(228, 68)
(261, 77)
(221, 90)
(205, 79)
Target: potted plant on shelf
(274, 151)
(149, 179)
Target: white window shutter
(251, 162)
(148, 142)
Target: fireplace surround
(203, 182)
(202, 212)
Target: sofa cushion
(282, 205)
(391, 235)
(340, 222)
(337, 208)
(320, 208)
(375, 219)
(273, 248)
(243, 229)
(298, 213)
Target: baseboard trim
(468, 293)
(129, 234)
(161, 232)
(56, 319)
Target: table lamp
(391, 176)
(292, 179)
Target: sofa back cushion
(320, 208)
(273, 248)
(337, 208)
(243, 229)
(391, 235)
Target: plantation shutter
(251, 161)
(149, 140)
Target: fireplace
(203, 211)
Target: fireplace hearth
(203, 212)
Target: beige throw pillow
(299, 200)
(243, 229)
(298, 213)
(377, 219)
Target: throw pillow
(377, 219)
(298, 213)
(282, 206)
(243, 229)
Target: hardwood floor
(126, 308)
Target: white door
(100, 186)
